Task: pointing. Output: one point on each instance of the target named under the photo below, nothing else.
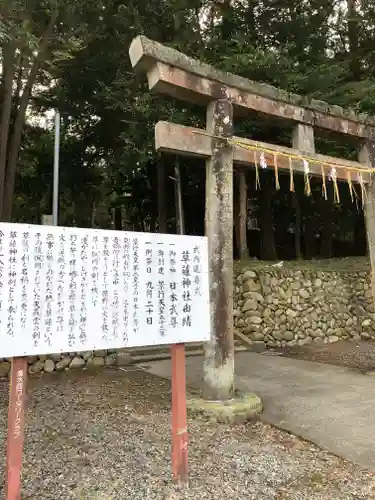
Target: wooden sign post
(16, 427)
(17, 410)
(179, 419)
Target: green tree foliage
(109, 170)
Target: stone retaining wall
(282, 306)
(273, 306)
(72, 361)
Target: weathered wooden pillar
(219, 351)
(366, 156)
(241, 222)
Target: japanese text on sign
(71, 289)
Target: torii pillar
(219, 351)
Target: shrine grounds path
(106, 436)
(359, 355)
(331, 406)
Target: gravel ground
(106, 436)
(359, 355)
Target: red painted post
(16, 426)
(179, 419)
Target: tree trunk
(267, 234)
(359, 239)
(297, 225)
(226, 11)
(162, 205)
(6, 110)
(309, 238)
(19, 81)
(179, 206)
(118, 218)
(326, 245)
(353, 38)
(93, 214)
(83, 210)
(15, 143)
(241, 216)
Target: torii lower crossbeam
(191, 141)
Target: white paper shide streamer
(262, 160)
(306, 167)
(333, 174)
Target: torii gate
(173, 73)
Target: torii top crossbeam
(183, 77)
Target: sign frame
(18, 400)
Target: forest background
(73, 55)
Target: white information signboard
(71, 289)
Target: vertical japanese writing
(197, 271)
(12, 281)
(161, 288)
(116, 248)
(72, 288)
(83, 292)
(149, 284)
(18, 406)
(135, 285)
(105, 294)
(186, 288)
(1, 272)
(49, 293)
(38, 264)
(95, 270)
(61, 274)
(66, 289)
(24, 277)
(173, 299)
(126, 278)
